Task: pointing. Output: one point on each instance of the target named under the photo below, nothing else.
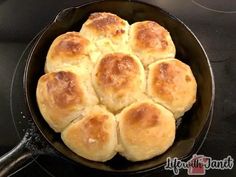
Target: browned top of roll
(143, 116)
(103, 22)
(93, 128)
(150, 35)
(69, 45)
(168, 78)
(116, 70)
(146, 129)
(62, 89)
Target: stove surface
(213, 22)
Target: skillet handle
(17, 158)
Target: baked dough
(115, 87)
(146, 130)
(119, 80)
(94, 136)
(107, 31)
(62, 95)
(70, 48)
(150, 42)
(172, 84)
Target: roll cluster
(115, 88)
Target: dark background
(212, 21)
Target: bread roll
(107, 31)
(172, 84)
(62, 95)
(145, 130)
(150, 42)
(119, 80)
(70, 48)
(94, 136)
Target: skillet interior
(188, 50)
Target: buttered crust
(70, 49)
(172, 84)
(119, 80)
(150, 42)
(107, 31)
(94, 136)
(62, 95)
(146, 129)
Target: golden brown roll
(107, 31)
(119, 80)
(172, 84)
(70, 48)
(146, 130)
(62, 95)
(93, 137)
(150, 42)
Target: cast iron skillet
(189, 50)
